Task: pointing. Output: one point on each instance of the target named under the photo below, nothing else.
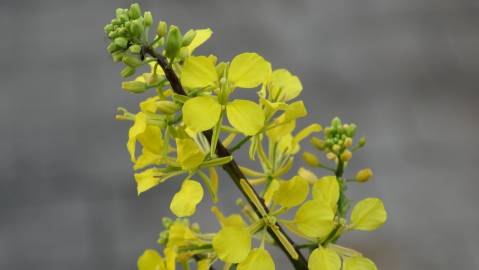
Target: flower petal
(184, 202)
(201, 113)
(248, 70)
(232, 244)
(190, 155)
(368, 214)
(258, 258)
(284, 86)
(315, 219)
(326, 189)
(292, 192)
(358, 263)
(246, 116)
(202, 35)
(324, 259)
(198, 72)
(151, 260)
(147, 179)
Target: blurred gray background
(406, 71)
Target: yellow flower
(368, 214)
(258, 258)
(179, 234)
(202, 113)
(290, 144)
(324, 259)
(283, 86)
(291, 193)
(233, 220)
(184, 202)
(232, 244)
(149, 136)
(314, 219)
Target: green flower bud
(364, 175)
(362, 142)
(121, 42)
(135, 48)
(311, 159)
(184, 52)
(167, 107)
(336, 122)
(148, 19)
(113, 34)
(136, 28)
(173, 42)
(132, 61)
(166, 221)
(124, 18)
(163, 238)
(134, 87)
(348, 142)
(108, 28)
(336, 148)
(119, 12)
(112, 47)
(188, 38)
(115, 21)
(117, 56)
(161, 29)
(135, 11)
(127, 71)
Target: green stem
(239, 144)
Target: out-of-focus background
(406, 71)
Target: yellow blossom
(368, 214)
(184, 202)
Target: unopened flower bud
(166, 221)
(336, 148)
(346, 155)
(364, 175)
(136, 28)
(135, 48)
(173, 42)
(318, 143)
(112, 47)
(117, 56)
(167, 107)
(148, 18)
(121, 42)
(163, 238)
(132, 61)
(362, 142)
(348, 142)
(135, 11)
(336, 122)
(161, 29)
(311, 159)
(331, 156)
(134, 87)
(195, 227)
(127, 71)
(188, 38)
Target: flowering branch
(232, 167)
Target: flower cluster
(190, 125)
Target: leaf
(201, 113)
(184, 202)
(246, 116)
(368, 214)
(248, 70)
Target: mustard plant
(189, 126)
